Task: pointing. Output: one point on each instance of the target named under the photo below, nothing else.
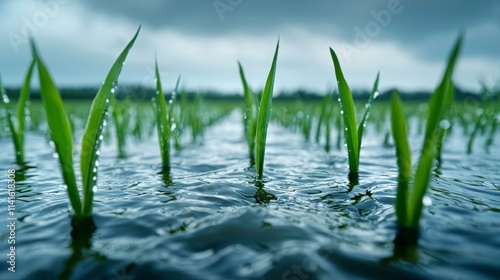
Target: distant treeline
(142, 93)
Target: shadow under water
(261, 195)
(81, 242)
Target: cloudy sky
(202, 40)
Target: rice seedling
(324, 120)
(61, 135)
(121, 120)
(162, 122)
(325, 104)
(493, 128)
(17, 133)
(263, 117)
(182, 117)
(409, 202)
(249, 116)
(353, 133)
(196, 118)
(165, 120)
(479, 123)
(305, 122)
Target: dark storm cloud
(426, 28)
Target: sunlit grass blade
(249, 115)
(349, 115)
(162, 125)
(362, 124)
(90, 141)
(263, 117)
(60, 131)
(403, 154)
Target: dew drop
(113, 90)
(55, 155)
(341, 112)
(427, 201)
(94, 188)
(376, 94)
(96, 163)
(94, 178)
(101, 137)
(94, 170)
(444, 124)
(97, 153)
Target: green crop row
(174, 117)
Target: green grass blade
(93, 129)
(422, 177)
(60, 131)
(249, 117)
(171, 121)
(263, 117)
(21, 106)
(349, 114)
(439, 105)
(15, 137)
(121, 120)
(172, 102)
(403, 155)
(322, 116)
(162, 125)
(362, 124)
(441, 99)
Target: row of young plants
(411, 186)
(172, 116)
(198, 116)
(322, 123)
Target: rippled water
(208, 220)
